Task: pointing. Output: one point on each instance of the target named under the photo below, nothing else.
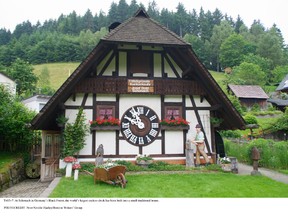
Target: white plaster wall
(153, 148)
(108, 140)
(88, 114)
(126, 148)
(77, 102)
(87, 150)
(89, 101)
(127, 101)
(71, 115)
(174, 142)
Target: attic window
(139, 62)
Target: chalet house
(279, 102)
(140, 73)
(249, 95)
(36, 102)
(8, 83)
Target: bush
(230, 134)
(237, 150)
(264, 147)
(272, 154)
(250, 119)
(14, 123)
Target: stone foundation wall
(14, 175)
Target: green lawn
(188, 185)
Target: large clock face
(140, 125)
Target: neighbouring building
(140, 73)
(9, 84)
(36, 102)
(279, 102)
(249, 95)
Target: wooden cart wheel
(122, 179)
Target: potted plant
(61, 121)
(216, 121)
(174, 124)
(105, 124)
(143, 160)
(225, 164)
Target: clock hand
(137, 121)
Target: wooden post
(189, 154)
(255, 158)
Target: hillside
(59, 72)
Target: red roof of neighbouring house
(248, 91)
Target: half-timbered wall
(110, 88)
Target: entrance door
(50, 154)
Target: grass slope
(58, 72)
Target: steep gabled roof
(142, 30)
(248, 91)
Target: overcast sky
(13, 12)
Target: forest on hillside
(220, 42)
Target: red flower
(105, 122)
(70, 159)
(76, 166)
(174, 122)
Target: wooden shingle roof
(248, 91)
(141, 29)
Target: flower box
(175, 127)
(105, 128)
